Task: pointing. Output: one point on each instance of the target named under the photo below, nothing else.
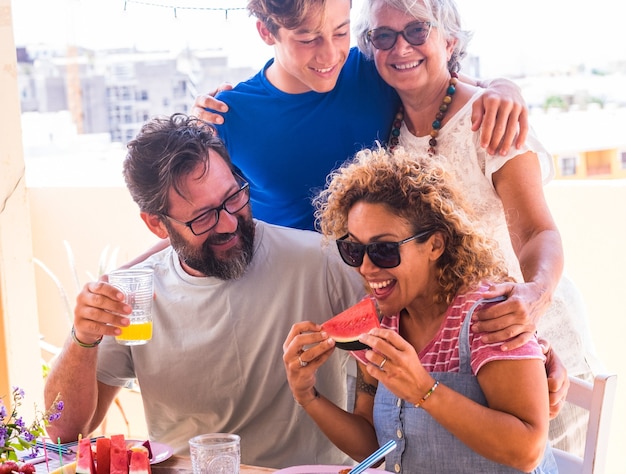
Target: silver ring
(382, 364)
(302, 363)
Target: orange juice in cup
(137, 285)
(137, 331)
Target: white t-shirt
(214, 363)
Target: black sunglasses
(415, 33)
(382, 254)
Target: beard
(229, 266)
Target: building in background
(115, 92)
(579, 114)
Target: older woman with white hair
(417, 47)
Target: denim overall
(431, 448)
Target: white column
(20, 356)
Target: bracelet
(82, 344)
(316, 395)
(428, 394)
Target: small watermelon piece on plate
(103, 455)
(139, 462)
(346, 327)
(84, 458)
(119, 455)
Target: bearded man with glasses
(227, 291)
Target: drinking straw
(45, 454)
(374, 457)
(60, 451)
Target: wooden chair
(598, 399)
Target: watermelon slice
(103, 455)
(84, 458)
(139, 462)
(119, 456)
(346, 327)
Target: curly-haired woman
(452, 402)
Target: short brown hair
(289, 14)
(163, 153)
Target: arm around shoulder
(500, 113)
(160, 245)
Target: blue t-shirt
(286, 144)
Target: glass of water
(215, 453)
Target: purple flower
(19, 423)
(13, 430)
(18, 393)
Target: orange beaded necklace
(394, 137)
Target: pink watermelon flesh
(103, 455)
(139, 463)
(119, 455)
(84, 458)
(346, 327)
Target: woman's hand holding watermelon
(304, 351)
(401, 372)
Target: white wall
(591, 216)
(90, 220)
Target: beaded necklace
(394, 137)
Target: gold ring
(382, 364)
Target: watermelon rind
(139, 463)
(84, 457)
(352, 345)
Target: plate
(319, 469)
(160, 451)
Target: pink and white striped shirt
(441, 354)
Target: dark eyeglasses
(415, 33)
(382, 254)
(209, 219)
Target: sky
(510, 37)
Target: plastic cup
(215, 453)
(138, 286)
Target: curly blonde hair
(419, 190)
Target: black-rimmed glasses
(207, 220)
(382, 254)
(415, 33)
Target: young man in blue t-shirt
(315, 104)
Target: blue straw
(374, 457)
